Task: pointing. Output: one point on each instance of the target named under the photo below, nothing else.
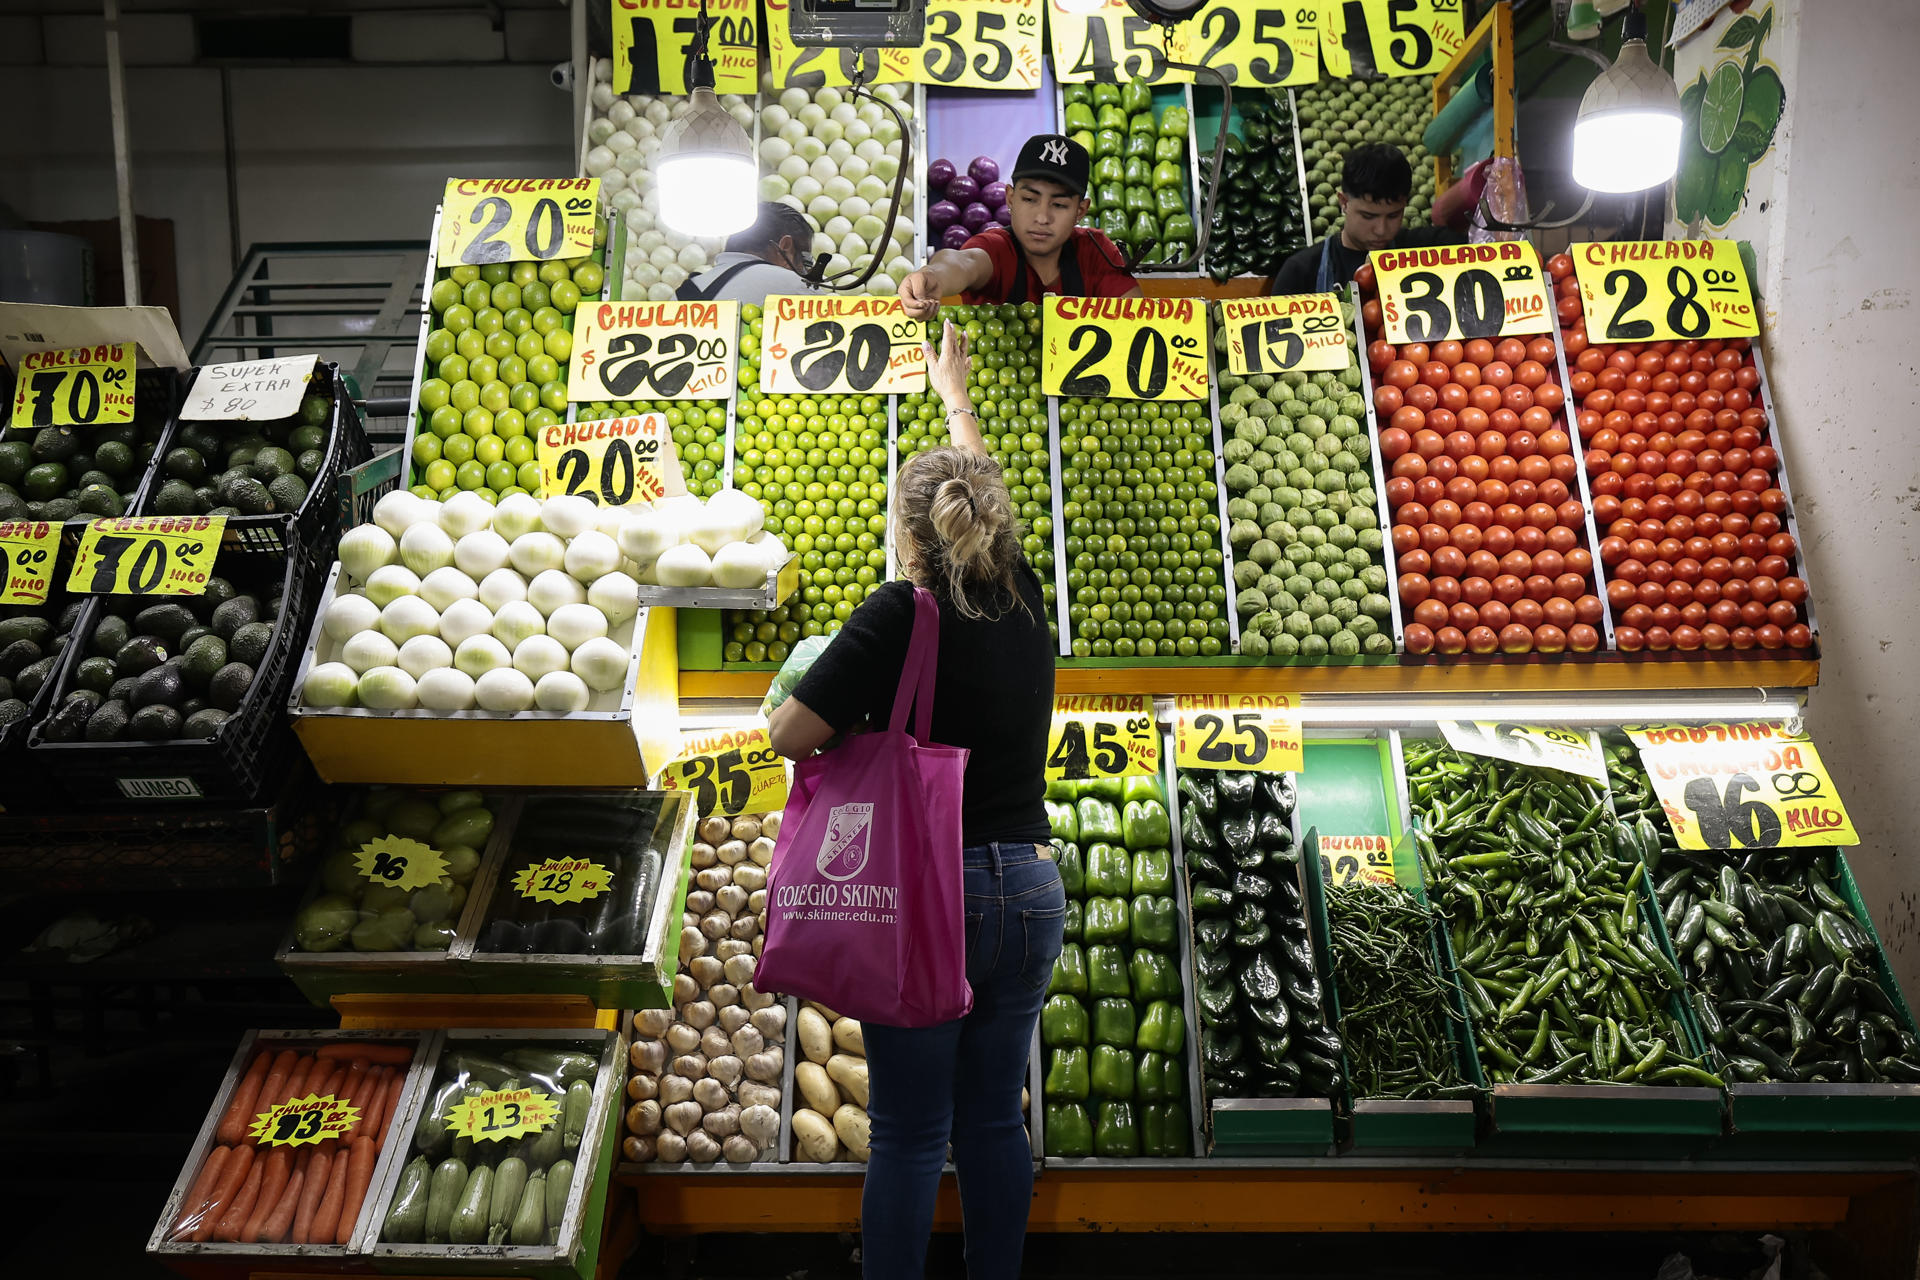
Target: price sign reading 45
(653, 351)
(1743, 786)
(653, 45)
(1547, 747)
(1463, 292)
(147, 556)
(1346, 860)
(1124, 348)
(1665, 291)
(1254, 732)
(612, 462)
(28, 549)
(1304, 332)
(729, 772)
(1102, 736)
(1414, 37)
(823, 345)
(981, 44)
(1270, 45)
(489, 220)
(78, 387)
(1111, 43)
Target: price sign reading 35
(1462, 292)
(147, 556)
(1665, 291)
(1303, 332)
(981, 44)
(1743, 786)
(823, 345)
(1102, 736)
(28, 549)
(489, 220)
(728, 772)
(1124, 348)
(1253, 732)
(1270, 45)
(78, 387)
(653, 351)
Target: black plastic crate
(248, 756)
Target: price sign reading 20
(841, 346)
(490, 220)
(1462, 292)
(1124, 348)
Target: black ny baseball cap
(1056, 159)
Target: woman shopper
(958, 1081)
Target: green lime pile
(68, 473)
(818, 465)
(1005, 389)
(699, 435)
(1338, 115)
(1144, 568)
(496, 373)
(265, 467)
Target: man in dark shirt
(1375, 184)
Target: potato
(734, 1017)
(670, 1148)
(638, 1150)
(714, 879)
(641, 1086)
(816, 1087)
(765, 1065)
(850, 1123)
(649, 1056)
(749, 877)
(816, 1036)
(821, 1009)
(814, 1137)
(850, 1073)
(707, 970)
(702, 1148)
(643, 1118)
(847, 1037)
(651, 1024)
(739, 1149)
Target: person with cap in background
(765, 259)
(1375, 184)
(1042, 251)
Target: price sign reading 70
(80, 387)
(27, 549)
(147, 555)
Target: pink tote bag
(865, 898)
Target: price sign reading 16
(1723, 815)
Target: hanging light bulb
(709, 185)
(1627, 135)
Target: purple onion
(942, 214)
(984, 169)
(963, 190)
(940, 173)
(976, 215)
(1003, 215)
(993, 194)
(956, 237)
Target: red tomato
(1582, 638)
(1402, 373)
(1430, 613)
(1450, 640)
(1560, 266)
(1515, 638)
(1423, 397)
(1415, 560)
(1498, 374)
(1548, 638)
(1510, 351)
(1379, 354)
(1387, 399)
(1418, 638)
(1800, 636)
(1507, 588)
(1414, 588)
(1483, 639)
(1408, 418)
(1495, 614)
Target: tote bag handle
(918, 670)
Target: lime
(438, 475)
(1720, 108)
(457, 448)
(463, 275)
(476, 295)
(470, 476)
(426, 449)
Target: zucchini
(509, 1181)
(574, 1115)
(430, 1133)
(530, 1219)
(544, 1147)
(559, 1183)
(560, 1068)
(490, 1072)
(462, 1145)
(443, 1197)
(406, 1219)
(469, 1225)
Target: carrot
(239, 1114)
(200, 1196)
(279, 1170)
(359, 1174)
(302, 1078)
(330, 1083)
(316, 1183)
(280, 1221)
(391, 1055)
(231, 1178)
(346, 1091)
(395, 1082)
(327, 1217)
(238, 1213)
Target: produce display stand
(1493, 38)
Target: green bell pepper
(1061, 820)
(1169, 203)
(1138, 144)
(1162, 1029)
(1080, 116)
(1081, 93)
(1159, 1077)
(1137, 173)
(1176, 251)
(1135, 97)
(1144, 824)
(1109, 142)
(1168, 174)
(1063, 789)
(1108, 874)
(1113, 224)
(1063, 1022)
(1109, 169)
(1106, 95)
(1099, 820)
(1171, 149)
(1069, 1132)
(1153, 976)
(1142, 787)
(1073, 923)
(1069, 1077)
(1153, 871)
(1112, 1072)
(1153, 922)
(1107, 972)
(1109, 195)
(1069, 972)
(1164, 1130)
(1142, 122)
(1139, 200)
(1178, 229)
(1106, 920)
(1145, 234)
(1113, 1022)
(1111, 117)
(1174, 123)
(1108, 789)
(1115, 1134)
(1072, 865)
(1084, 137)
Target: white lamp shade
(704, 172)
(1082, 6)
(1627, 135)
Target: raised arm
(947, 371)
(949, 271)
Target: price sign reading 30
(1124, 348)
(489, 220)
(1102, 736)
(653, 351)
(1462, 291)
(825, 346)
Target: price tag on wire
(728, 772)
(1347, 860)
(28, 550)
(1541, 746)
(818, 67)
(563, 880)
(500, 1114)
(829, 345)
(400, 863)
(1462, 291)
(1743, 786)
(653, 351)
(1271, 45)
(77, 387)
(1102, 736)
(1665, 290)
(147, 556)
(314, 1118)
(1303, 331)
(1414, 37)
(1124, 348)
(980, 44)
(653, 45)
(612, 462)
(1111, 43)
(251, 391)
(1255, 732)
(489, 220)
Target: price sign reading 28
(1665, 291)
(1462, 292)
(653, 351)
(1124, 348)
(981, 44)
(489, 220)
(1102, 736)
(1304, 332)
(828, 345)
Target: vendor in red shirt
(1042, 252)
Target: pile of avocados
(74, 473)
(30, 647)
(168, 669)
(256, 469)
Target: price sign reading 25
(1271, 45)
(654, 351)
(1462, 292)
(489, 220)
(1124, 348)
(842, 346)
(1256, 732)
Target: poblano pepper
(1153, 922)
(1069, 1076)
(1109, 871)
(1260, 981)
(1278, 793)
(1215, 1001)
(1163, 1029)
(1069, 1132)
(1152, 870)
(1220, 1048)
(1063, 1021)
(1195, 833)
(1113, 1021)
(1237, 832)
(1116, 1135)
(1212, 935)
(1144, 825)
(1099, 820)
(1199, 794)
(1069, 972)
(1211, 900)
(1236, 788)
(1275, 836)
(1107, 972)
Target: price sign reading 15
(1462, 292)
(1304, 332)
(489, 220)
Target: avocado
(197, 631)
(229, 686)
(33, 678)
(121, 690)
(168, 621)
(55, 444)
(108, 723)
(203, 661)
(12, 709)
(207, 496)
(185, 464)
(271, 463)
(187, 706)
(109, 634)
(26, 627)
(176, 498)
(69, 720)
(6, 688)
(248, 496)
(139, 656)
(19, 655)
(305, 439)
(154, 723)
(249, 643)
(201, 438)
(163, 684)
(99, 477)
(287, 492)
(44, 480)
(245, 450)
(218, 592)
(204, 723)
(99, 500)
(310, 462)
(13, 506)
(234, 614)
(95, 673)
(115, 458)
(59, 510)
(15, 457)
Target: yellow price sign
(1303, 331)
(980, 44)
(1124, 348)
(400, 863)
(728, 772)
(1270, 45)
(28, 549)
(653, 45)
(1414, 37)
(1112, 43)
(77, 387)
(1348, 860)
(612, 462)
(1462, 291)
(829, 345)
(1665, 291)
(147, 555)
(500, 1114)
(489, 220)
(1331, 27)
(817, 67)
(1540, 746)
(1254, 732)
(653, 351)
(1102, 736)
(563, 880)
(314, 1118)
(1743, 786)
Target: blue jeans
(960, 1081)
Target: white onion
(591, 555)
(535, 553)
(445, 689)
(349, 615)
(568, 516)
(479, 654)
(729, 516)
(443, 586)
(331, 684)
(387, 689)
(738, 566)
(422, 654)
(407, 617)
(535, 656)
(516, 621)
(479, 553)
(464, 618)
(391, 582)
(463, 513)
(575, 624)
(503, 689)
(368, 650)
(561, 691)
(602, 663)
(552, 590)
(364, 549)
(425, 547)
(501, 588)
(684, 566)
(616, 595)
(398, 511)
